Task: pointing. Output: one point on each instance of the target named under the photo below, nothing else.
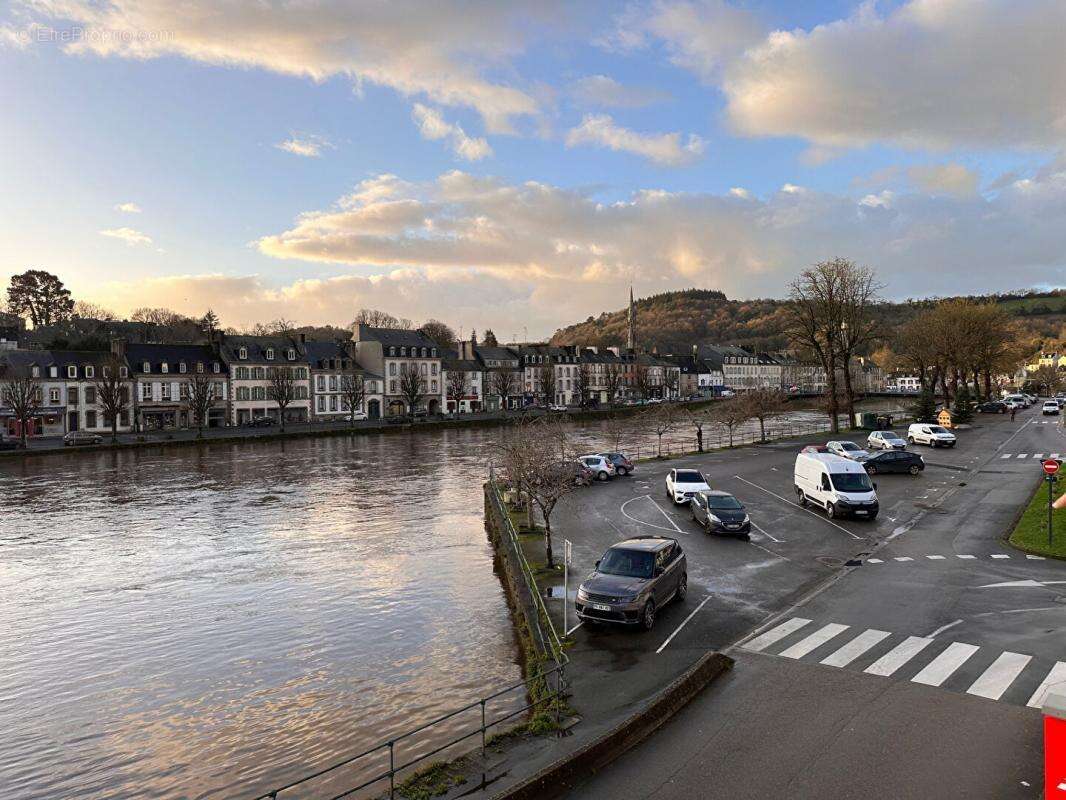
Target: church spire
(631, 340)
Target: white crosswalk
(1055, 456)
(1010, 677)
(960, 556)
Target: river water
(214, 622)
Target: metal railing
(547, 687)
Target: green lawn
(1030, 534)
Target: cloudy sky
(518, 165)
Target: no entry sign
(1051, 466)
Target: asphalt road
(935, 634)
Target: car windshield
(851, 482)
(630, 563)
(689, 476)
(724, 502)
(849, 446)
(937, 429)
(889, 435)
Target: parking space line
(677, 630)
(640, 521)
(801, 508)
(574, 628)
(764, 533)
(668, 517)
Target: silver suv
(633, 580)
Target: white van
(930, 434)
(839, 485)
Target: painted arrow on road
(1026, 584)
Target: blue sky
(540, 165)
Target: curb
(564, 774)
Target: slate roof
(170, 354)
(257, 347)
(395, 337)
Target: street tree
(615, 430)
(671, 379)
(440, 333)
(504, 384)
(546, 378)
(859, 293)
(209, 323)
(662, 419)
(924, 407)
(412, 387)
(582, 381)
(20, 392)
(697, 419)
(281, 389)
(613, 378)
(730, 414)
(642, 381)
(41, 296)
(962, 410)
(765, 404)
(458, 386)
(1048, 378)
(201, 398)
(353, 394)
(112, 393)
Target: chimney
(301, 338)
(118, 347)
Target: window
(90, 419)
(72, 397)
(36, 372)
(243, 393)
(392, 387)
(403, 351)
(216, 368)
(270, 354)
(53, 396)
(259, 393)
(53, 372)
(292, 354)
(146, 368)
(333, 383)
(392, 369)
(183, 391)
(433, 386)
(434, 369)
(165, 391)
(434, 351)
(164, 367)
(333, 402)
(146, 391)
(242, 353)
(392, 351)
(200, 367)
(424, 353)
(181, 367)
(72, 372)
(90, 396)
(425, 368)
(123, 372)
(321, 403)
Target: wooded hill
(672, 322)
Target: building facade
(251, 362)
(394, 352)
(162, 375)
(332, 368)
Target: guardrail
(547, 687)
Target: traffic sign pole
(1051, 466)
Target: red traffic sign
(1051, 466)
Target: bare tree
(439, 332)
(1048, 377)
(671, 379)
(458, 386)
(112, 393)
(642, 381)
(201, 398)
(20, 392)
(504, 384)
(380, 319)
(764, 404)
(412, 387)
(83, 309)
(730, 414)
(546, 379)
(661, 419)
(615, 430)
(698, 418)
(582, 379)
(353, 393)
(858, 328)
(282, 390)
(613, 376)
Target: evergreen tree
(924, 408)
(962, 411)
(490, 339)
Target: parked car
(682, 484)
(838, 485)
(895, 461)
(1050, 407)
(885, 440)
(993, 407)
(556, 407)
(75, 438)
(932, 435)
(600, 467)
(720, 512)
(1018, 400)
(622, 465)
(581, 474)
(815, 448)
(632, 581)
(261, 422)
(847, 450)
(727, 393)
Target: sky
(518, 165)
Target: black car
(262, 422)
(895, 461)
(720, 512)
(993, 407)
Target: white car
(683, 484)
(930, 434)
(847, 450)
(602, 469)
(1050, 407)
(885, 440)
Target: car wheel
(801, 498)
(910, 439)
(914, 469)
(682, 588)
(602, 476)
(622, 471)
(871, 469)
(647, 616)
(831, 511)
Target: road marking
(764, 533)
(791, 503)
(776, 634)
(1029, 583)
(1034, 558)
(943, 628)
(1055, 456)
(855, 648)
(936, 558)
(1055, 677)
(962, 556)
(668, 517)
(940, 668)
(903, 558)
(874, 561)
(574, 628)
(1006, 455)
(814, 640)
(1000, 555)
(1023, 455)
(1038, 455)
(898, 655)
(677, 630)
(640, 521)
(995, 680)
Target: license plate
(861, 513)
(599, 607)
(732, 527)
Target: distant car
(815, 448)
(1013, 402)
(75, 438)
(581, 474)
(993, 407)
(654, 400)
(556, 407)
(600, 467)
(727, 393)
(622, 465)
(932, 435)
(261, 422)
(683, 484)
(885, 440)
(895, 461)
(847, 450)
(632, 581)
(720, 512)
(359, 416)
(1050, 407)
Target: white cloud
(662, 148)
(434, 127)
(128, 235)
(953, 179)
(128, 208)
(600, 91)
(440, 51)
(928, 74)
(310, 146)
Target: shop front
(42, 422)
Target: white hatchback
(683, 484)
(600, 467)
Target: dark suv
(633, 580)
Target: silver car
(848, 450)
(885, 440)
(74, 438)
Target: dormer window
(423, 352)
(403, 351)
(270, 354)
(291, 354)
(123, 372)
(72, 372)
(164, 367)
(242, 353)
(146, 368)
(53, 372)
(200, 367)
(181, 367)
(434, 352)
(36, 372)
(216, 368)
(392, 351)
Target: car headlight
(581, 593)
(713, 518)
(844, 501)
(627, 598)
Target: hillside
(672, 322)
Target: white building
(251, 361)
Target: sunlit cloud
(433, 126)
(666, 149)
(128, 208)
(310, 146)
(128, 235)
